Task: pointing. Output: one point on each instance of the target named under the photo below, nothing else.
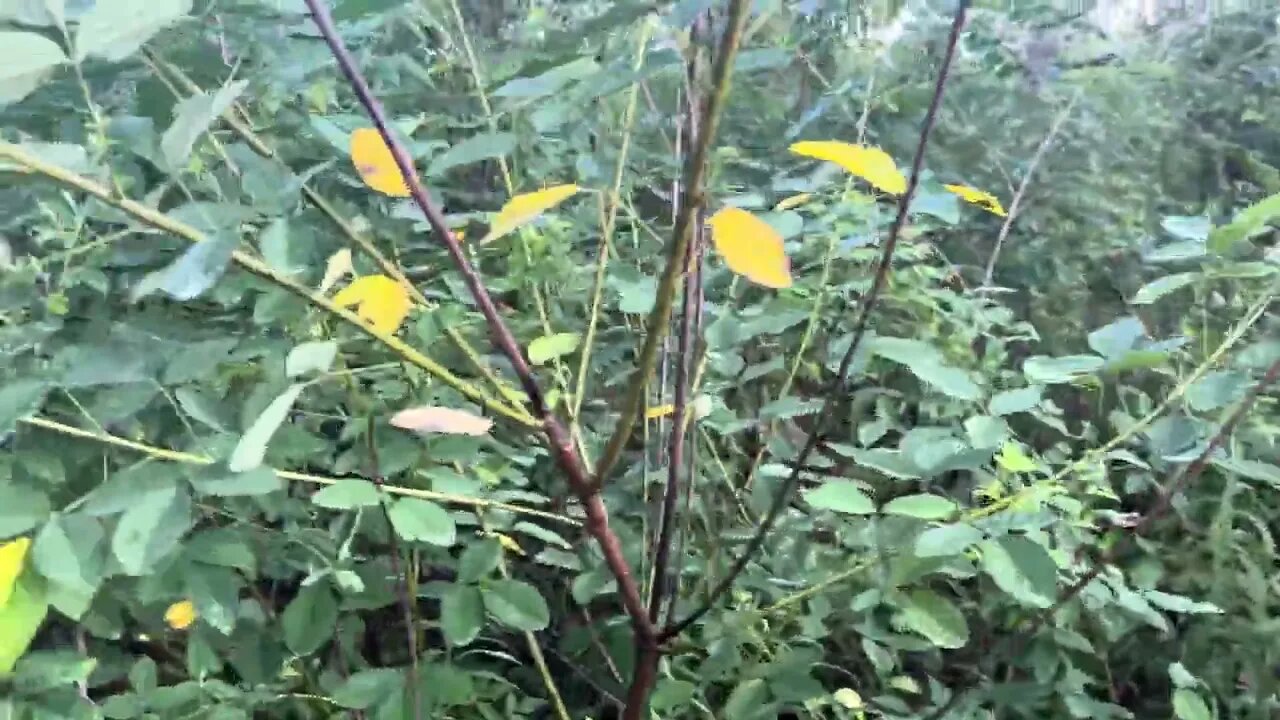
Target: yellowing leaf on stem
(523, 209)
(981, 198)
(381, 301)
(12, 555)
(428, 419)
(793, 202)
(337, 267)
(375, 163)
(751, 247)
(658, 411)
(869, 163)
(180, 615)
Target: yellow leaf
(659, 411)
(978, 197)
(180, 615)
(509, 544)
(12, 555)
(525, 208)
(793, 201)
(1013, 459)
(751, 248)
(429, 419)
(382, 302)
(869, 163)
(337, 267)
(375, 163)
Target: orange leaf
(382, 302)
(869, 163)
(430, 419)
(375, 163)
(751, 247)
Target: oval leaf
(375, 163)
(523, 209)
(381, 301)
(421, 520)
(549, 347)
(841, 496)
(869, 163)
(751, 247)
(516, 604)
(981, 198)
(429, 419)
(923, 506)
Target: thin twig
(657, 327)
(1016, 204)
(783, 496)
(559, 442)
(402, 577)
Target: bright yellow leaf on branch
(381, 301)
(869, 163)
(981, 198)
(658, 411)
(523, 209)
(375, 163)
(180, 615)
(12, 555)
(751, 247)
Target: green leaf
(192, 117)
(549, 347)
(842, 496)
(69, 551)
(478, 560)
(1217, 389)
(48, 669)
(936, 618)
(225, 483)
(516, 604)
(530, 88)
(21, 508)
(25, 59)
(151, 529)
(1247, 222)
(115, 29)
(1180, 604)
(309, 619)
(461, 613)
(419, 520)
(1044, 370)
(1188, 705)
(1160, 287)
(31, 12)
(1117, 338)
(367, 687)
(924, 506)
(1022, 568)
(789, 407)
(347, 495)
(20, 618)
(473, 149)
(252, 447)
(193, 272)
(947, 540)
(316, 356)
(952, 381)
(749, 700)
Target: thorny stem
(783, 496)
(559, 442)
(691, 200)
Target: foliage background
(1035, 412)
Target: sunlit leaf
(20, 618)
(180, 615)
(981, 198)
(428, 419)
(337, 267)
(550, 347)
(375, 163)
(658, 411)
(793, 202)
(12, 555)
(751, 247)
(523, 209)
(381, 301)
(869, 163)
(1013, 459)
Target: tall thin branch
(691, 200)
(559, 442)
(783, 496)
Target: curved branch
(783, 496)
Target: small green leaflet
(843, 496)
(347, 495)
(192, 117)
(252, 447)
(923, 506)
(516, 604)
(549, 347)
(25, 59)
(472, 150)
(419, 520)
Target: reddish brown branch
(783, 496)
(558, 440)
